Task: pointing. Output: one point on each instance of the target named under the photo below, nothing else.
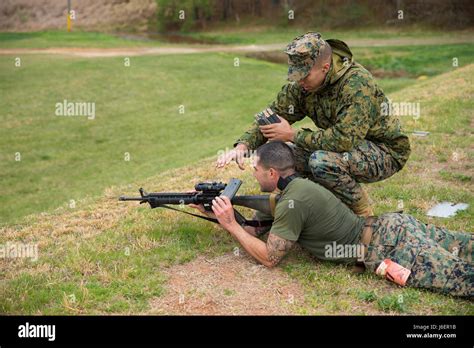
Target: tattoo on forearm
(277, 248)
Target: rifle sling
(251, 223)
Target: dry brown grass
(57, 231)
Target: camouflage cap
(302, 52)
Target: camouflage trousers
(342, 173)
(439, 259)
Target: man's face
(267, 178)
(315, 78)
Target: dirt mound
(32, 15)
(227, 285)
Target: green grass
(68, 158)
(48, 39)
(137, 112)
(92, 269)
(91, 153)
(415, 60)
(107, 257)
(253, 35)
(265, 35)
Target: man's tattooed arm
(277, 248)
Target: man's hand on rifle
(236, 155)
(222, 207)
(200, 207)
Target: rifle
(205, 193)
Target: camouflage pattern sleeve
(253, 138)
(288, 104)
(356, 109)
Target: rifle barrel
(255, 202)
(124, 198)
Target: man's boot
(362, 207)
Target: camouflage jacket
(346, 109)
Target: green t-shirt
(310, 214)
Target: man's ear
(273, 172)
(326, 67)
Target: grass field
(48, 39)
(264, 35)
(249, 36)
(100, 256)
(142, 119)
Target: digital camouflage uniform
(439, 259)
(354, 141)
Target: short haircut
(325, 53)
(277, 155)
